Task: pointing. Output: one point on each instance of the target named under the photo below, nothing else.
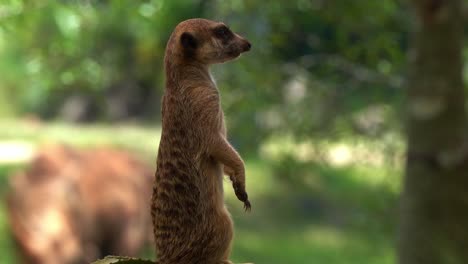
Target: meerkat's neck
(180, 74)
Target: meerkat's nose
(247, 46)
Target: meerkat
(191, 223)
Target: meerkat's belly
(183, 201)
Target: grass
(304, 211)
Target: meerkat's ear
(188, 41)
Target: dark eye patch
(223, 32)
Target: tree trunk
(434, 205)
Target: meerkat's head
(207, 41)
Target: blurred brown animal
(74, 206)
(191, 222)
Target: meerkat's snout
(240, 43)
(243, 43)
(246, 46)
(235, 47)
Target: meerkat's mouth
(234, 53)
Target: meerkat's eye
(222, 32)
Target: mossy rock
(122, 260)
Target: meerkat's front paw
(239, 190)
(247, 206)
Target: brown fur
(74, 206)
(191, 223)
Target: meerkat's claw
(247, 206)
(239, 190)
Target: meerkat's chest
(222, 123)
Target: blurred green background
(314, 109)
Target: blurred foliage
(102, 60)
(87, 60)
(7, 246)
